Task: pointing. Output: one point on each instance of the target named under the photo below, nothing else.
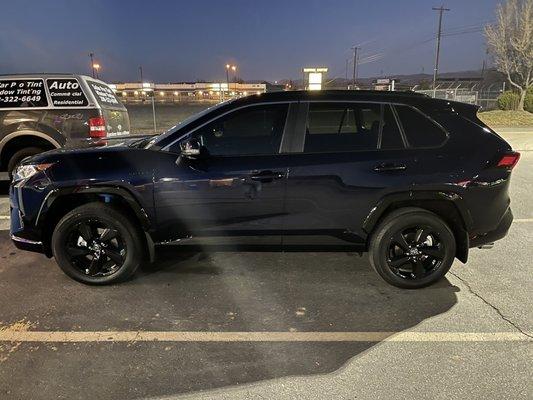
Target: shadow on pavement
(4, 188)
(199, 292)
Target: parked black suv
(40, 112)
(412, 180)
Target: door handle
(266, 176)
(387, 167)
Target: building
(131, 92)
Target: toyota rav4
(412, 180)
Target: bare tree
(510, 41)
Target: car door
(351, 155)
(233, 192)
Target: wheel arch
(447, 205)
(59, 202)
(18, 140)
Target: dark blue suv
(414, 181)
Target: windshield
(157, 139)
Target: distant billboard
(314, 77)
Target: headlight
(24, 172)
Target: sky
(177, 41)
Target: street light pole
(234, 68)
(96, 67)
(227, 76)
(91, 55)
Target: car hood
(112, 141)
(104, 148)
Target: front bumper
(22, 230)
(26, 244)
(496, 234)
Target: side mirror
(191, 148)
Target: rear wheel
(412, 248)
(97, 244)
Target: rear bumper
(497, 234)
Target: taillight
(97, 127)
(509, 160)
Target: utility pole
(441, 10)
(91, 56)
(346, 72)
(355, 48)
(141, 72)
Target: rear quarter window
(420, 131)
(22, 93)
(104, 95)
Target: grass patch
(506, 118)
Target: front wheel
(412, 248)
(96, 244)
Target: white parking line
(519, 220)
(173, 336)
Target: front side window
(255, 130)
(339, 127)
(419, 129)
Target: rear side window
(22, 93)
(66, 93)
(340, 127)
(419, 129)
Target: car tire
(412, 248)
(19, 156)
(97, 244)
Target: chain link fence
(486, 99)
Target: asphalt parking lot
(272, 325)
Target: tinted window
(104, 94)
(336, 127)
(19, 93)
(66, 93)
(420, 130)
(252, 130)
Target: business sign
(17, 93)
(66, 93)
(315, 77)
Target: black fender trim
(118, 191)
(375, 214)
(373, 218)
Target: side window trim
(298, 141)
(380, 131)
(400, 126)
(415, 109)
(214, 119)
(288, 137)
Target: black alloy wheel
(415, 252)
(95, 248)
(412, 248)
(97, 244)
